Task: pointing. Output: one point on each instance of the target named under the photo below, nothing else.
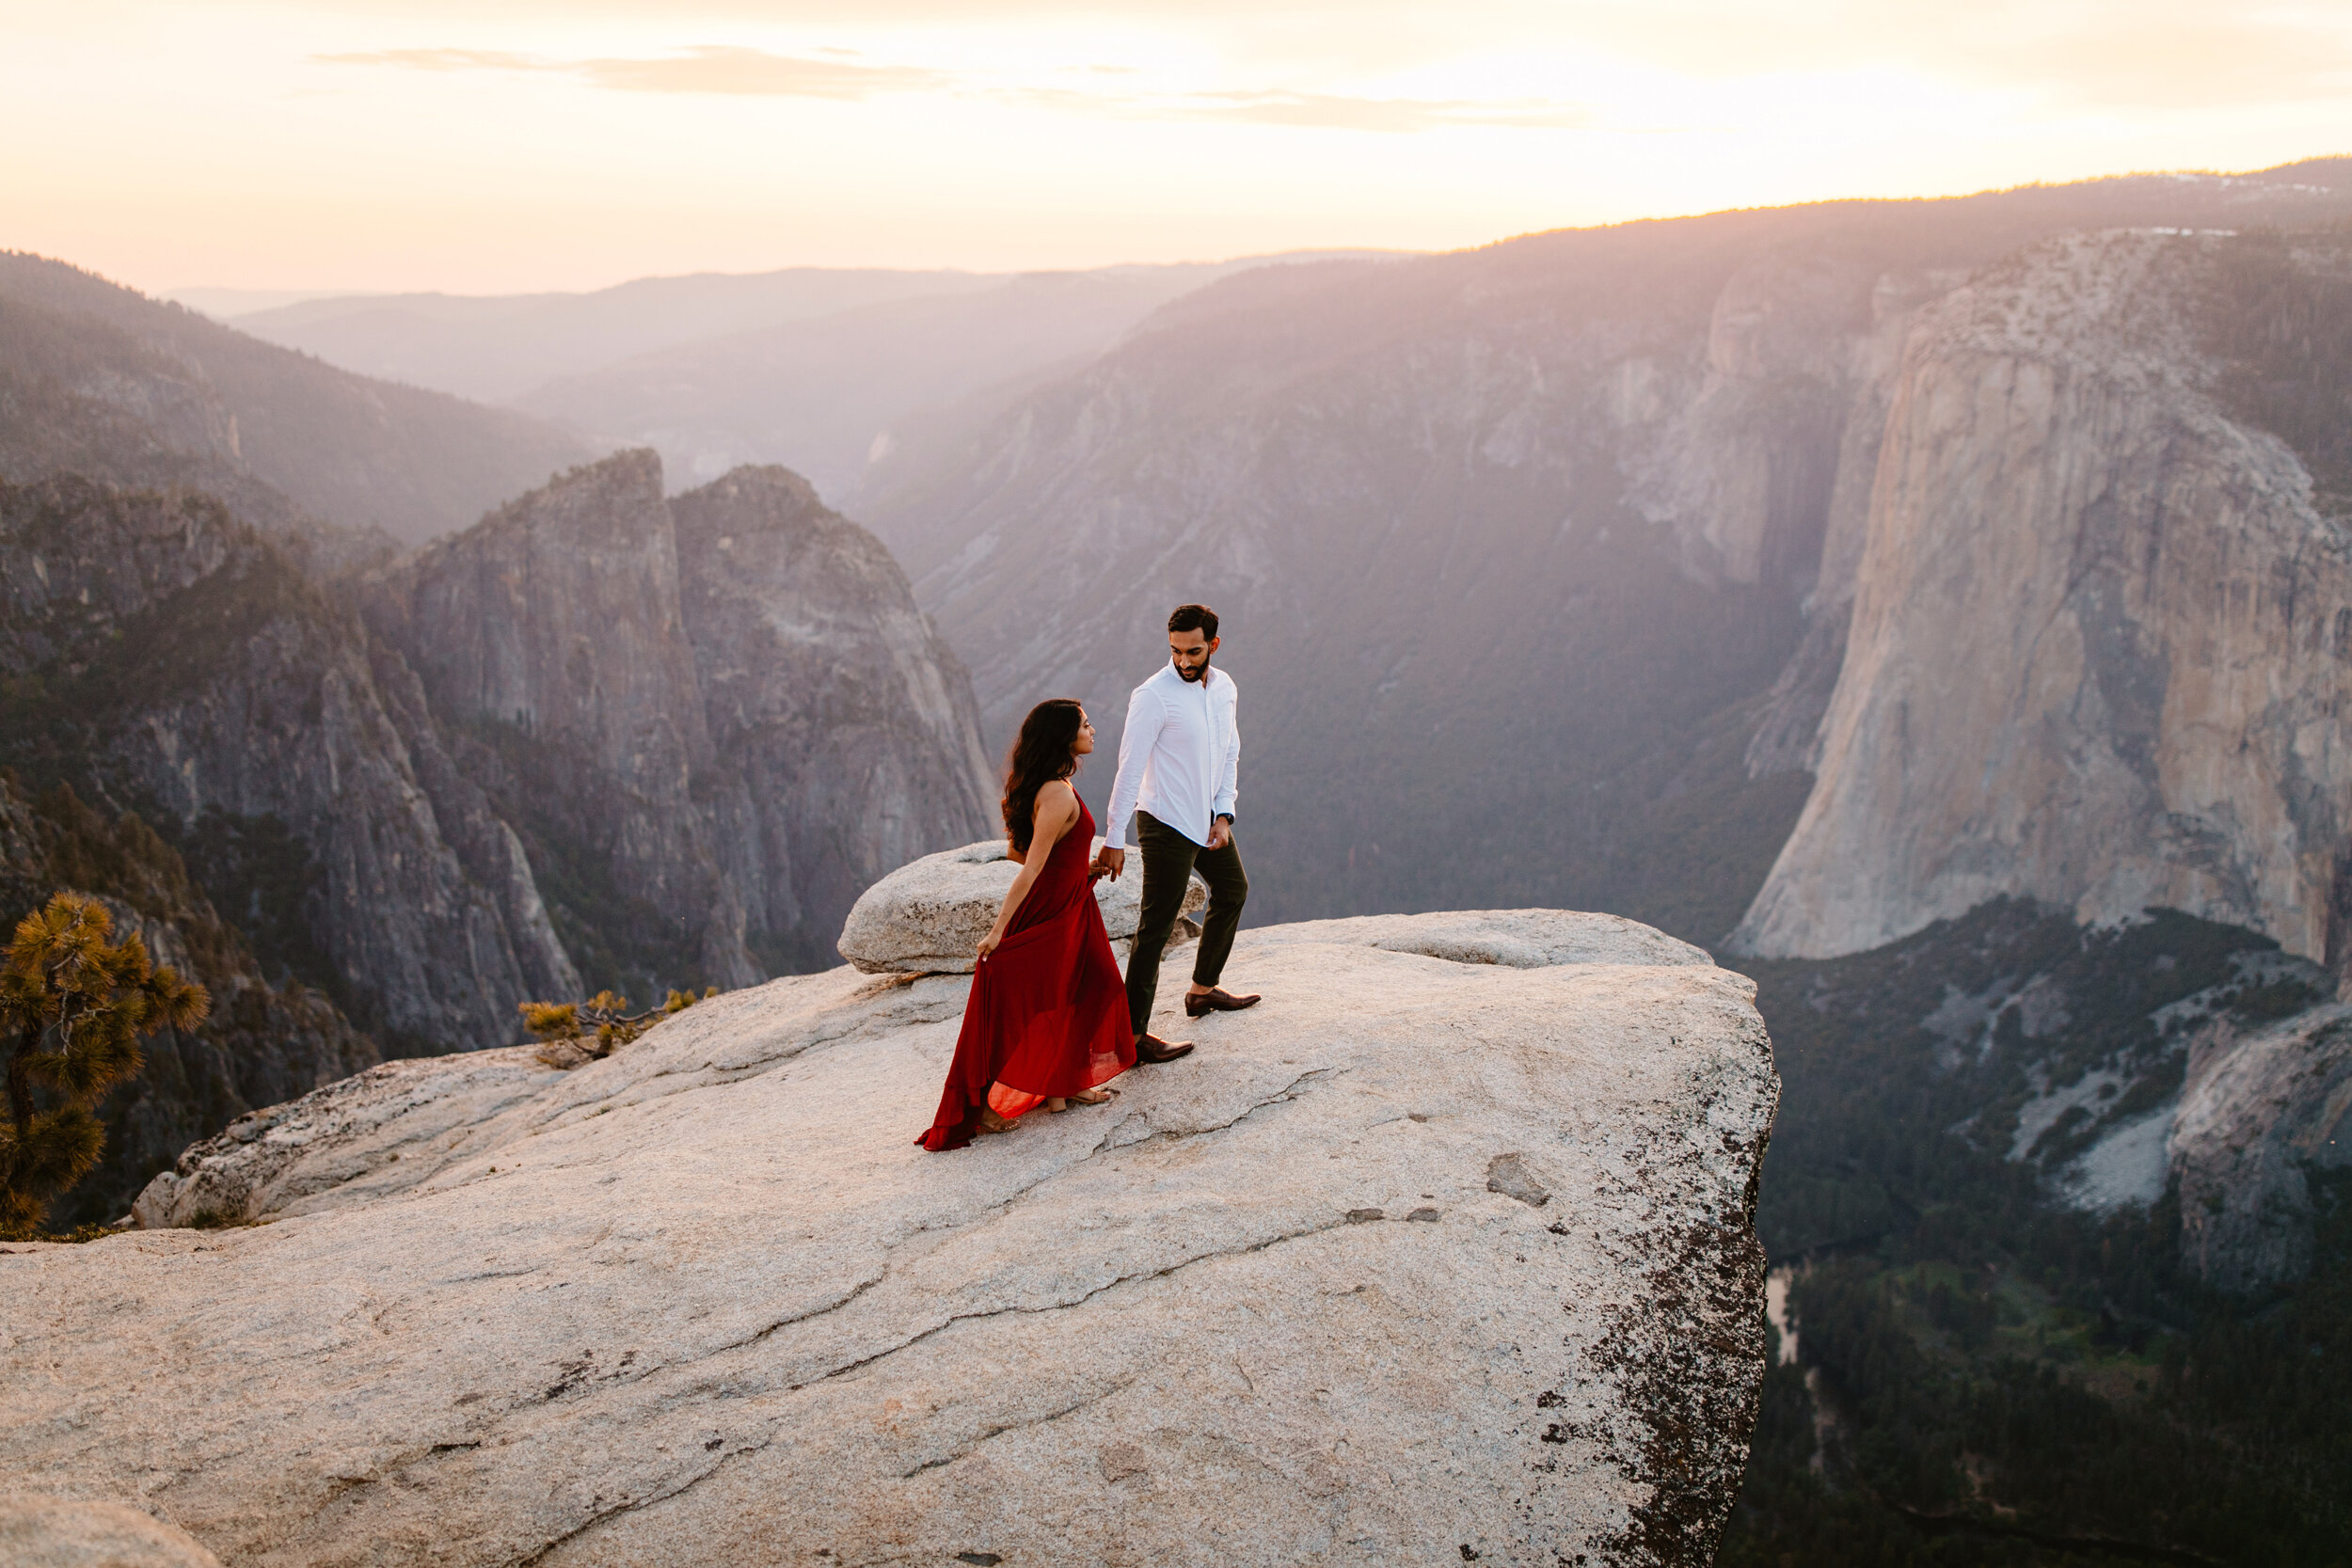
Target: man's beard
(1202, 674)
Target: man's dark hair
(1194, 617)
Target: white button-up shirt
(1179, 758)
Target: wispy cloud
(708, 68)
(439, 59)
(755, 72)
(1342, 112)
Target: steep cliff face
(261, 1042)
(1587, 508)
(1435, 503)
(712, 721)
(2266, 1118)
(549, 637)
(169, 659)
(844, 739)
(2099, 648)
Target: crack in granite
(998, 1431)
(626, 1506)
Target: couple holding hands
(1049, 1021)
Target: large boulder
(81, 1532)
(929, 916)
(1442, 1252)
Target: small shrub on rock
(561, 1024)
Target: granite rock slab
(1423, 1257)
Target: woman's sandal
(1092, 1097)
(991, 1122)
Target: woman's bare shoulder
(1056, 793)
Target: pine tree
(73, 1007)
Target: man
(1179, 766)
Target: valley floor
(1984, 1374)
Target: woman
(1048, 1018)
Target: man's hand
(1109, 861)
(1220, 833)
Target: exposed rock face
(2098, 649)
(1589, 505)
(71, 1533)
(707, 1300)
(2264, 1111)
(715, 720)
(555, 623)
(928, 917)
(185, 667)
(842, 728)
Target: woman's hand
(989, 944)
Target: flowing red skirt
(1048, 1018)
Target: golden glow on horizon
(512, 145)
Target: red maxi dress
(1047, 1017)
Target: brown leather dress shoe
(1216, 999)
(1151, 1048)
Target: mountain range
(1939, 608)
(816, 368)
(600, 738)
(98, 380)
(1539, 562)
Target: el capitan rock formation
(2157, 620)
(1590, 508)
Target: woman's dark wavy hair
(1039, 757)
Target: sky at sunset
(510, 145)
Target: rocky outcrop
(2265, 1115)
(173, 660)
(844, 737)
(553, 625)
(2155, 621)
(928, 917)
(1466, 1272)
(713, 719)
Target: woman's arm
(1056, 812)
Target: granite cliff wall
(713, 719)
(844, 739)
(170, 659)
(2101, 638)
